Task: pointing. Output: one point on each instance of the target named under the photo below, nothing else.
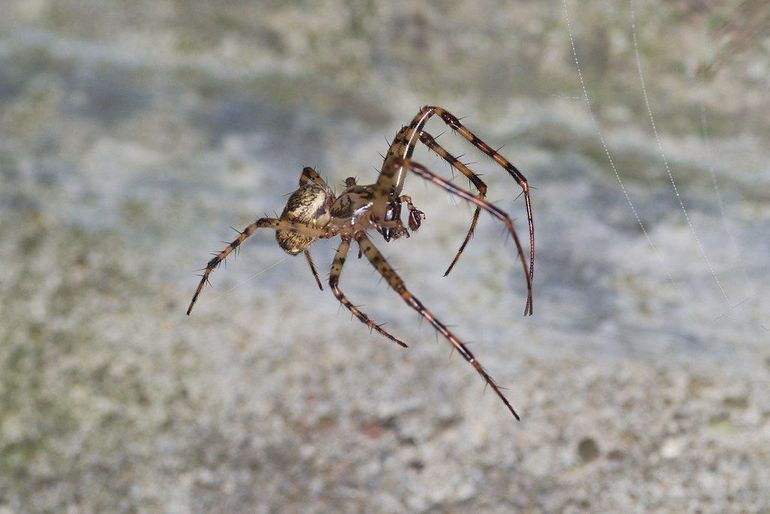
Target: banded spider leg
(403, 146)
(334, 279)
(273, 223)
(394, 280)
(397, 165)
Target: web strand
(690, 224)
(247, 280)
(718, 193)
(607, 152)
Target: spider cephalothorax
(313, 212)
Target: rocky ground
(133, 134)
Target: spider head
(310, 204)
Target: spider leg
(453, 161)
(403, 147)
(422, 171)
(415, 215)
(313, 270)
(395, 281)
(334, 279)
(273, 223)
(453, 122)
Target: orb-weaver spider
(313, 212)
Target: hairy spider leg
(399, 164)
(453, 122)
(453, 161)
(334, 279)
(395, 281)
(313, 270)
(273, 223)
(406, 139)
(403, 146)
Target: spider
(313, 212)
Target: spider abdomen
(309, 204)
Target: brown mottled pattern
(305, 205)
(354, 197)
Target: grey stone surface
(132, 134)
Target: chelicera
(313, 212)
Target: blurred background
(133, 134)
